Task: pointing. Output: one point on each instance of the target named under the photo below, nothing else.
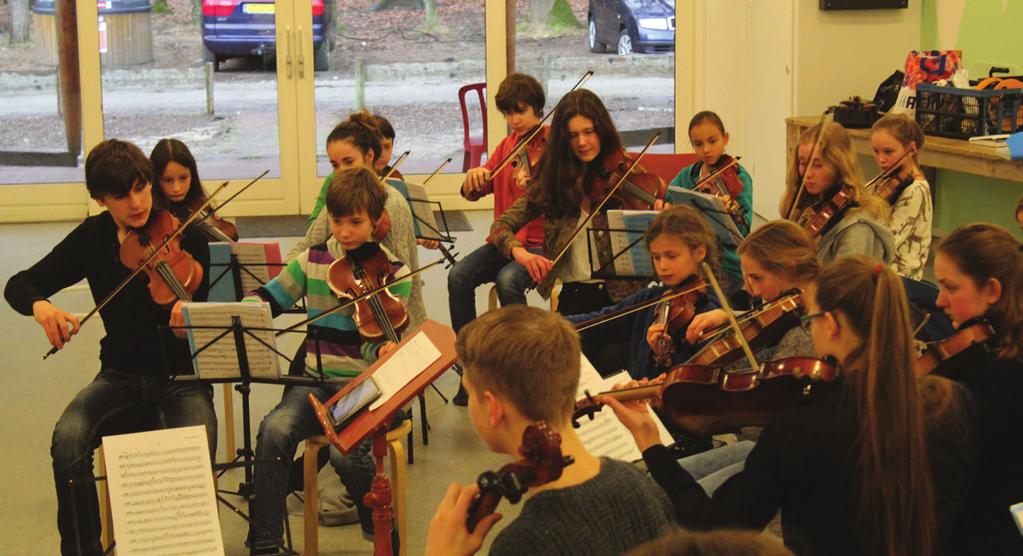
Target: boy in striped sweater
(355, 202)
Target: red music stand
(376, 422)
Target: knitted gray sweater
(611, 513)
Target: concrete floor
(35, 393)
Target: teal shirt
(687, 178)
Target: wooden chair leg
(229, 420)
(311, 495)
(398, 485)
(492, 300)
(106, 517)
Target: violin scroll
(541, 463)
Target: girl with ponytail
(849, 468)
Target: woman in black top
(979, 268)
(848, 469)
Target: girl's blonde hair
(835, 150)
(781, 247)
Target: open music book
(220, 358)
(162, 496)
(626, 230)
(713, 209)
(258, 263)
(605, 435)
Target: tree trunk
(21, 21)
(431, 13)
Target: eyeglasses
(807, 320)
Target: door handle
(287, 51)
(301, 53)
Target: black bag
(888, 91)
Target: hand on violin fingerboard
(58, 324)
(655, 333)
(448, 535)
(428, 243)
(386, 348)
(636, 417)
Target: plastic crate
(965, 113)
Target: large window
(628, 43)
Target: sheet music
(635, 260)
(403, 366)
(161, 493)
(255, 257)
(605, 435)
(220, 360)
(713, 210)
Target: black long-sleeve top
(984, 525)
(803, 465)
(91, 251)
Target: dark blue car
(238, 28)
(631, 25)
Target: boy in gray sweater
(522, 366)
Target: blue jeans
(712, 468)
(114, 403)
(291, 422)
(482, 266)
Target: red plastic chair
(474, 145)
(667, 166)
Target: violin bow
(586, 325)
(397, 163)
(153, 254)
(809, 163)
(357, 299)
(213, 209)
(872, 184)
(731, 315)
(537, 128)
(437, 171)
(607, 197)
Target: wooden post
(360, 84)
(509, 32)
(70, 80)
(208, 66)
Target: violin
(818, 218)
(173, 274)
(936, 353)
(689, 296)
(890, 183)
(541, 463)
(723, 181)
(639, 191)
(761, 327)
(359, 272)
(528, 156)
(675, 314)
(212, 225)
(705, 399)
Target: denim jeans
(114, 403)
(291, 422)
(712, 468)
(482, 266)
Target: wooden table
(938, 152)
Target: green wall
(988, 34)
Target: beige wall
(844, 53)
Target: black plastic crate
(965, 113)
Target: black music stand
(245, 456)
(633, 249)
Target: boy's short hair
(526, 355)
(520, 89)
(356, 189)
(113, 167)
